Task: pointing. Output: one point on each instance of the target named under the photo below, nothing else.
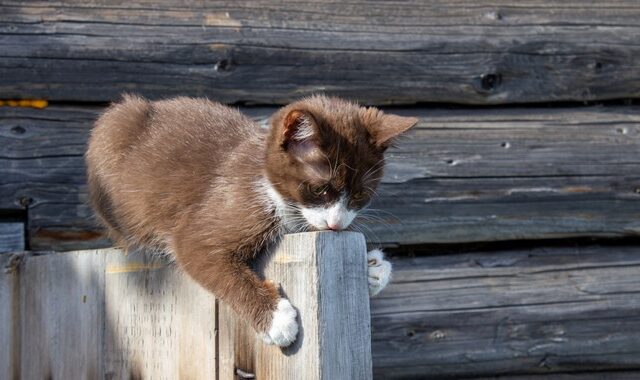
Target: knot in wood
(490, 82)
(25, 201)
(224, 65)
(18, 130)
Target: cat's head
(325, 158)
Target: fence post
(324, 275)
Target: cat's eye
(358, 196)
(319, 190)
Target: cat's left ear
(388, 127)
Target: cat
(207, 184)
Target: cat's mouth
(335, 217)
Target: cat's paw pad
(284, 327)
(379, 271)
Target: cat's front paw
(379, 271)
(284, 327)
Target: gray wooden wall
(518, 192)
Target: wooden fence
(102, 314)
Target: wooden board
(102, 314)
(62, 315)
(11, 237)
(160, 324)
(10, 316)
(272, 52)
(543, 310)
(324, 275)
(462, 175)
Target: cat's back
(201, 119)
(149, 160)
(177, 128)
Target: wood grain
(272, 52)
(324, 275)
(103, 314)
(62, 316)
(542, 310)
(160, 323)
(11, 237)
(10, 316)
(464, 174)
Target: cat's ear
(389, 126)
(297, 126)
(299, 135)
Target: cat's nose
(334, 226)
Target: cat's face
(325, 158)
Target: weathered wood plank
(95, 314)
(544, 310)
(10, 316)
(324, 275)
(160, 324)
(461, 175)
(62, 316)
(11, 237)
(381, 52)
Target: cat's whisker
(375, 168)
(381, 211)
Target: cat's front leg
(379, 271)
(232, 280)
(284, 327)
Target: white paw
(284, 327)
(379, 271)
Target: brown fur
(180, 175)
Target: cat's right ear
(299, 134)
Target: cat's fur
(205, 183)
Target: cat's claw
(379, 271)
(284, 327)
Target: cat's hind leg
(379, 271)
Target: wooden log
(462, 175)
(530, 311)
(11, 237)
(272, 52)
(324, 275)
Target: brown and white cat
(206, 184)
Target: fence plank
(324, 276)
(160, 324)
(462, 175)
(384, 52)
(62, 313)
(10, 316)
